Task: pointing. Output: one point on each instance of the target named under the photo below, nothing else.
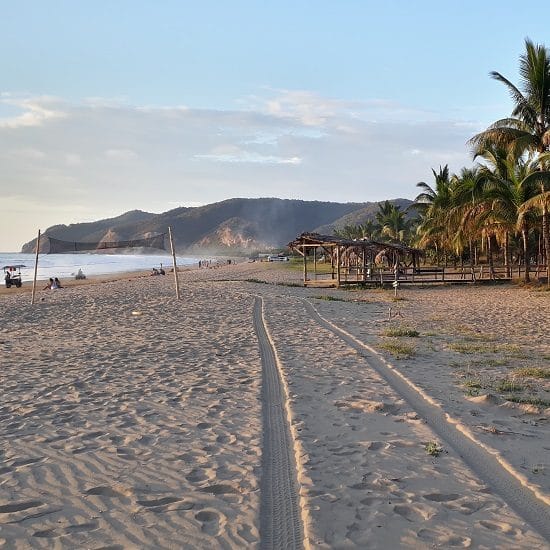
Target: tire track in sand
(280, 512)
(528, 503)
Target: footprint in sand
(210, 521)
(413, 513)
(93, 435)
(369, 501)
(104, 491)
(245, 532)
(204, 426)
(160, 502)
(147, 440)
(27, 461)
(19, 506)
(377, 445)
(502, 527)
(440, 497)
(126, 453)
(82, 527)
(197, 475)
(444, 540)
(220, 489)
(46, 534)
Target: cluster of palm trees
(499, 207)
(390, 223)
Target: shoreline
(26, 287)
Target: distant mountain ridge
(230, 226)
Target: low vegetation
(329, 298)
(433, 448)
(537, 401)
(398, 349)
(508, 386)
(401, 331)
(532, 372)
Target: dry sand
(131, 420)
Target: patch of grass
(258, 281)
(505, 386)
(398, 350)
(489, 363)
(401, 331)
(469, 347)
(533, 372)
(433, 448)
(512, 349)
(465, 347)
(399, 299)
(329, 298)
(471, 334)
(472, 383)
(472, 392)
(537, 401)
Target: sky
(115, 105)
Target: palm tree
(529, 126)
(434, 205)
(392, 221)
(507, 183)
(541, 201)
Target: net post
(174, 262)
(35, 267)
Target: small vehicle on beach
(12, 275)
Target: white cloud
(108, 157)
(33, 112)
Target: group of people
(158, 271)
(53, 284)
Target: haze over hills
(231, 226)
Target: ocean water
(65, 266)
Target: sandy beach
(255, 413)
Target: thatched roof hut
(352, 261)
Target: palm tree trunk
(490, 258)
(525, 237)
(507, 261)
(471, 246)
(546, 239)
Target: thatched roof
(315, 239)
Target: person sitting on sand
(49, 285)
(53, 284)
(161, 271)
(155, 271)
(56, 281)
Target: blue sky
(110, 106)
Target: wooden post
(174, 262)
(305, 264)
(337, 265)
(315, 262)
(35, 267)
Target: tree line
(497, 209)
